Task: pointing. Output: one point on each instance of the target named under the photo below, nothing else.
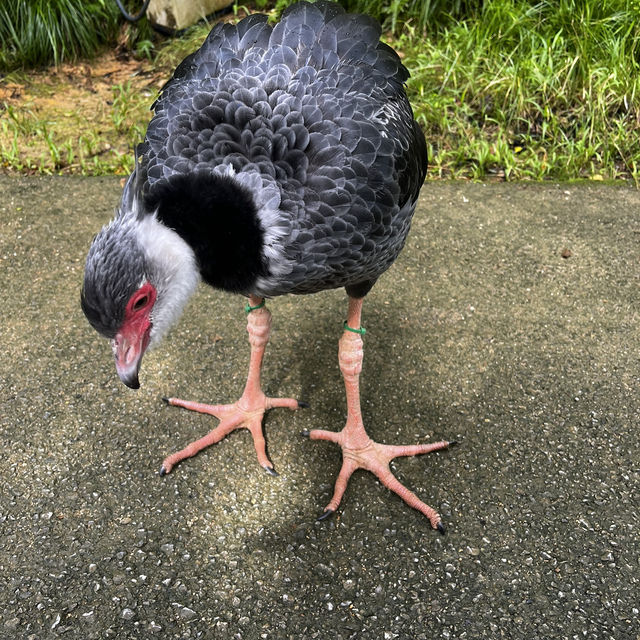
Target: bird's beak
(128, 347)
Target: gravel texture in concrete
(510, 322)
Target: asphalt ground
(510, 323)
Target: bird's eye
(140, 303)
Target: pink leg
(358, 450)
(247, 412)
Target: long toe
(247, 413)
(348, 467)
(392, 483)
(375, 457)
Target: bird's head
(138, 276)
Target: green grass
(126, 107)
(504, 89)
(19, 125)
(61, 139)
(424, 15)
(38, 32)
(545, 90)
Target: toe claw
(305, 433)
(303, 405)
(324, 516)
(452, 443)
(271, 471)
(163, 471)
(440, 528)
(164, 399)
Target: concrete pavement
(510, 322)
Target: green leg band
(361, 330)
(248, 308)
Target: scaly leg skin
(359, 451)
(247, 413)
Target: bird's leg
(359, 451)
(247, 412)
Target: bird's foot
(247, 413)
(375, 457)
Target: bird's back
(311, 119)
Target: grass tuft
(527, 90)
(38, 32)
(424, 15)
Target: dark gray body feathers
(312, 114)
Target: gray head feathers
(114, 270)
(128, 252)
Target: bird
(279, 160)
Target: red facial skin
(132, 340)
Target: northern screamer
(279, 160)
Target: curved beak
(128, 347)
